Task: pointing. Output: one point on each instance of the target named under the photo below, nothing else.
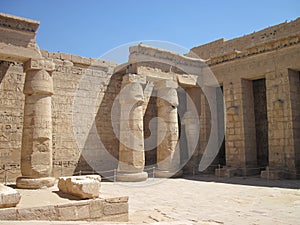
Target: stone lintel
(144, 53)
(151, 55)
(134, 78)
(154, 74)
(187, 80)
(18, 23)
(39, 64)
(166, 84)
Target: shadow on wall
(101, 148)
(4, 66)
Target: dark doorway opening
(150, 151)
(261, 122)
(221, 158)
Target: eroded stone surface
(131, 148)
(84, 187)
(35, 183)
(168, 156)
(8, 197)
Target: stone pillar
(131, 148)
(191, 120)
(241, 155)
(36, 153)
(283, 93)
(168, 155)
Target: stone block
(273, 174)
(38, 213)
(66, 212)
(228, 172)
(84, 187)
(115, 208)
(80, 60)
(8, 214)
(96, 208)
(9, 197)
(117, 199)
(116, 218)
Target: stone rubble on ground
(84, 187)
(9, 197)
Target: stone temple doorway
(261, 122)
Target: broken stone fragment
(9, 197)
(84, 187)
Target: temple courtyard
(193, 200)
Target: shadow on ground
(250, 181)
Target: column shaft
(131, 148)
(168, 154)
(36, 153)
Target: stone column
(131, 148)
(241, 155)
(168, 154)
(283, 106)
(36, 153)
(191, 120)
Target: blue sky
(92, 27)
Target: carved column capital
(167, 93)
(132, 90)
(38, 77)
(39, 64)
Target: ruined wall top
(18, 23)
(164, 60)
(17, 38)
(271, 34)
(60, 57)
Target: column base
(232, 172)
(228, 172)
(35, 183)
(131, 177)
(273, 174)
(167, 174)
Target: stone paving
(205, 200)
(212, 201)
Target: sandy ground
(205, 200)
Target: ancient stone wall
(222, 47)
(11, 118)
(83, 89)
(274, 58)
(85, 113)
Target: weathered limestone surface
(109, 209)
(36, 154)
(9, 197)
(221, 47)
(131, 149)
(283, 92)
(168, 155)
(17, 35)
(81, 186)
(51, 147)
(274, 56)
